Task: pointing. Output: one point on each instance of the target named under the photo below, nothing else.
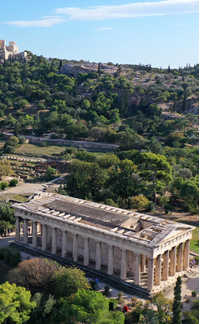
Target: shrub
(194, 293)
(10, 256)
(13, 183)
(139, 202)
(3, 185)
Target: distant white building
(9, 51)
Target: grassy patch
(40, 151)
(194, 244)
(14, 197)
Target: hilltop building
(10, 51)
(144, 251)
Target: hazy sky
(156, 32)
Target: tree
(50, 173)
(7, 219)
(164, 307)
(67, 281)
(177, 313)
(87, 306)
(123, 179)
(13, 183)
(155, 169)
(139, 202)
(15, 304)
(35, 274)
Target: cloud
(131, 10)
(104, 28)
(43, 22)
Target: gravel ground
(24, 189)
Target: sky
(156, 32)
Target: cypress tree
(177, 313)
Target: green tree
(67, 281)
(50, 173)
(155, 169)
(177, 313)
(87, 306)
(15, 304)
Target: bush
(3, 185)
(139, 202)
(13, 183)
(194, 294)
(10, 256)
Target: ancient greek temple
(146, 251)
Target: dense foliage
(133, 179)
(124, 107)
(7, 219)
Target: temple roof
(142, 227)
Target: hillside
(149, 116)
(100, 102)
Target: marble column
(172, 267)
(64, 244)
(123, 272)
(150, 273)
(25, 228)
(86, 251)
(158, 270)
(75, 248)
(179, 267)
(34, 234)
(44, 237)
(98, 256)
(142, 262)
(137, 269)
(17, 230)
(53, 246)
(110, 259)
(165, 266)
(186, 255)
